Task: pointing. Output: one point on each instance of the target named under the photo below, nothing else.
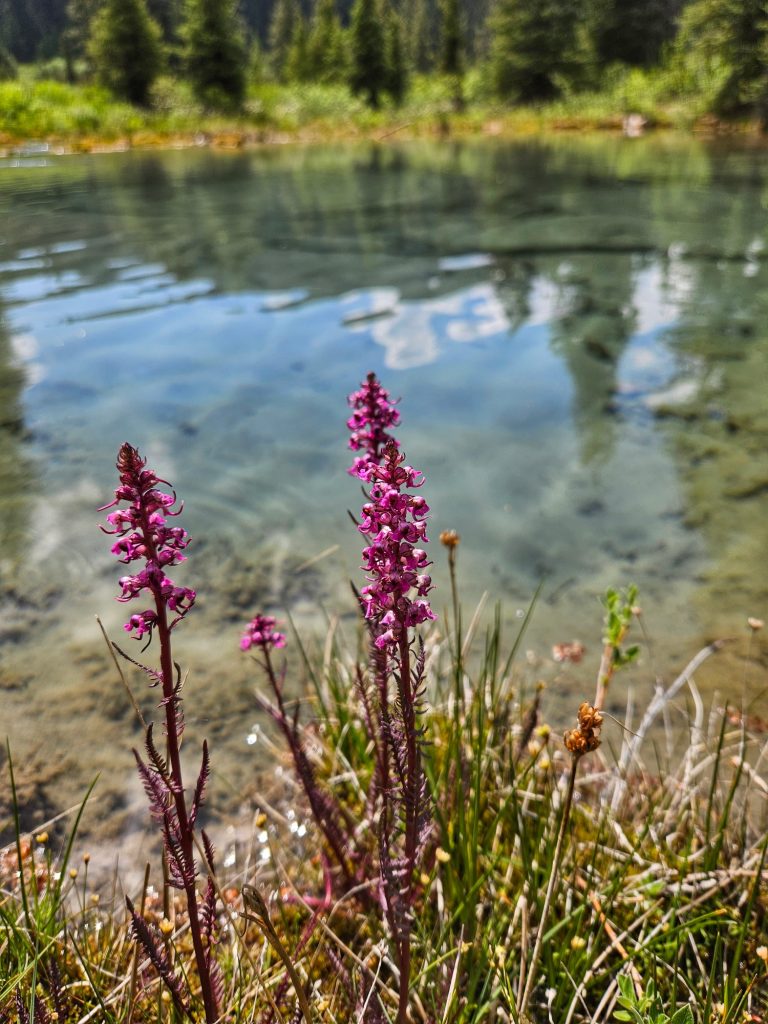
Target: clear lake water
(577, 331)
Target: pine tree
(74, 38)
(326, 48)
(452, 48)
(297, 61)
(215, 53)
(396, 80)
(534, 43)
(257, 64)
(369, 70)
(420, 48)
(284, 17)
(124, 48)
(451, 38)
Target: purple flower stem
(407, 700)
(143, 535)
(170, 702)
(321, 810)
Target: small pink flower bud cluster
(373, 412)
(261, 632)
(395, 524)
(144, 535)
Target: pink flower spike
(143, 536)
(393, 522)
(373, 413)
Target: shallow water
(577, 332)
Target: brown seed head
(449, 539)
(586, 737)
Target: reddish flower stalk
(260, 634)
(373, 413)
(143, 535)
(395, 601)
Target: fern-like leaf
(155, 676)
(155, 788)
(159, 762)
(153, 948)
(202, 779)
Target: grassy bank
(85, 117)
(643, 875)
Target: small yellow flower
(465, 947)
(41, 838)
(442, 855)
(542, 731)
(261, 819)
(165, 926)
(424, 878)
(578, 942)
(73, 873)
(94, 898)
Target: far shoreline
(512, 126)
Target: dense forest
(527, 51)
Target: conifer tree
(326, 48)
(451, 38)
(534, 43)
(396, 81)
(214, 52)
(297, 61)
(124, 48)
(452, 48)
(369, 72)
(420, 49)
(284, 17)
(74, 39)
(257, 64)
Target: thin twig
(660, 701)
